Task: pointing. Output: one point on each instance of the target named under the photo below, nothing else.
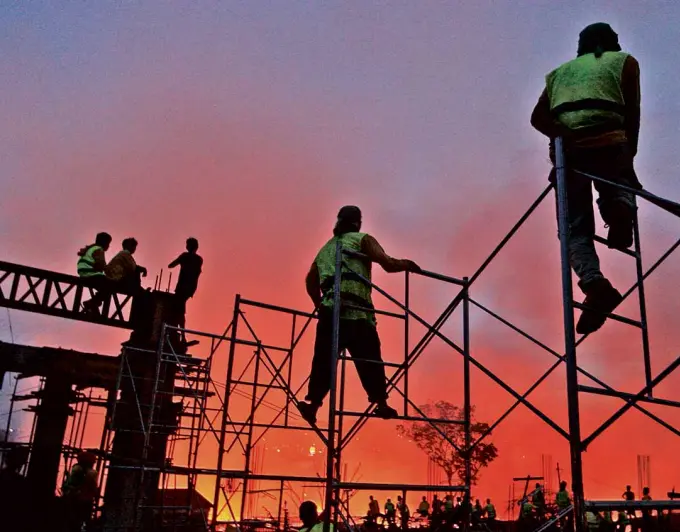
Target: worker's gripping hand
(412, 266)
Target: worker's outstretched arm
(375, 252)
(313, 285)
(175, 262)
(630, 86)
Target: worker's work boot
(308, 412)
(91, 307)
(620, 221)
(601, 299)
(385, 411)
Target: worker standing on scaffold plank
(593, 103)
(358, 333)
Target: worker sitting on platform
(190, 266)
(123, 269)
(358, 333)
(121, 275)
(91, 265)
(593, 103)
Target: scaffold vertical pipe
(467, 407)
(225, 410)
(569, 340)
(335, 347)
(641, 299)
(290, 367)
(407, 306)
(251, 422)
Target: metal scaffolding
(173, 403)
(264, 371)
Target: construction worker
(311, 520)
(607, 523)
(191, 266)
(404, 512)
(15, 496)
(424, 507)
(593, 519)
(593, 103)
(622, 521)
(490, 512)
(91, 266)
(390, 512)
(123, 269)
(563, 501)
(628, 495)
(646, 514)
(373, 507)
(79, 492)
(358, 332)
(538, 500)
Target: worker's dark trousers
(613, 163)
(360, 338)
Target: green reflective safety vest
(86, 263)
(389, 507)
(490, 511)
(586, 92)
(424, 506)
(622, 518)
(353, 289)
(562, 499)
(527, 509)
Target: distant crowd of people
(441, 514)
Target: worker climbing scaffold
(593, 103)
(358, 333)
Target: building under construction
(178, 445)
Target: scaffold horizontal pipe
(603, 241)
(380, 362)
(423, 273)
(396, 487)
(260, 385)
(624, 395)
(276, 308)
(666, 204)
(374, 311)
(271, 426)
(632, 505)
(405, 418)
(252, 343)
(614, 317)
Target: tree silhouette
(430, 440)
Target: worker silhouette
(311, 520)
(191, 266)
(15, 497)
(91, 266)
(593, 103)
(79, 492)
(123, 270)
(358, 332)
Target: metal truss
(58, 294)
